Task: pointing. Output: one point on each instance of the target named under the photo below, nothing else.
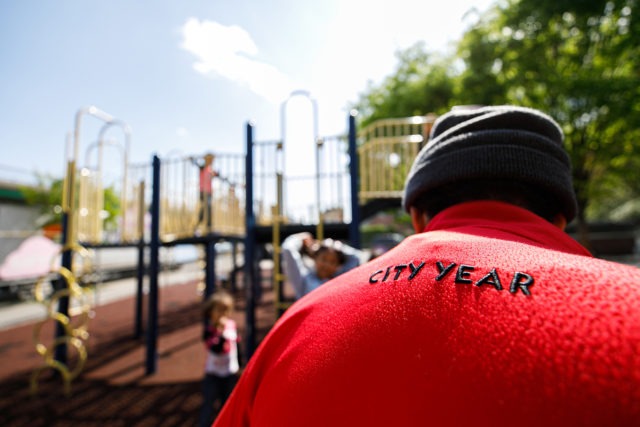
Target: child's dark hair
(331, 245)
(219, 298)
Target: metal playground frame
(160, 206)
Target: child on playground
(329, 258)
(206, 174)
(222, 362)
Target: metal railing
(386, 152)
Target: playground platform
(113, 388)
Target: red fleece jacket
(492, 317)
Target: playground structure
(386, 152)
(356, 175)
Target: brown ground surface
(113, 389)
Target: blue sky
(187, 76)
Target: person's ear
(419, 219)
(560, 221)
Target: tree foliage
(48, 195)
(577, 61)
(421, 84)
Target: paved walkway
(16, 314)
(113, 389)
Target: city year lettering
(465, 275)
(461, 274)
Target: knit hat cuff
(513, 162)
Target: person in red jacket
(491, 315)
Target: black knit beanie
(503, 142)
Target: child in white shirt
(222, 363)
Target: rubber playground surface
(113, 389)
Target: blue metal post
(249, 247)
(152, 312)
(210, 268)
(354, 227)
(63, 302)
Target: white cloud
(182, 132)
(228, 51)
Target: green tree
(48, 195)
(421, 84)
(578, 61)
